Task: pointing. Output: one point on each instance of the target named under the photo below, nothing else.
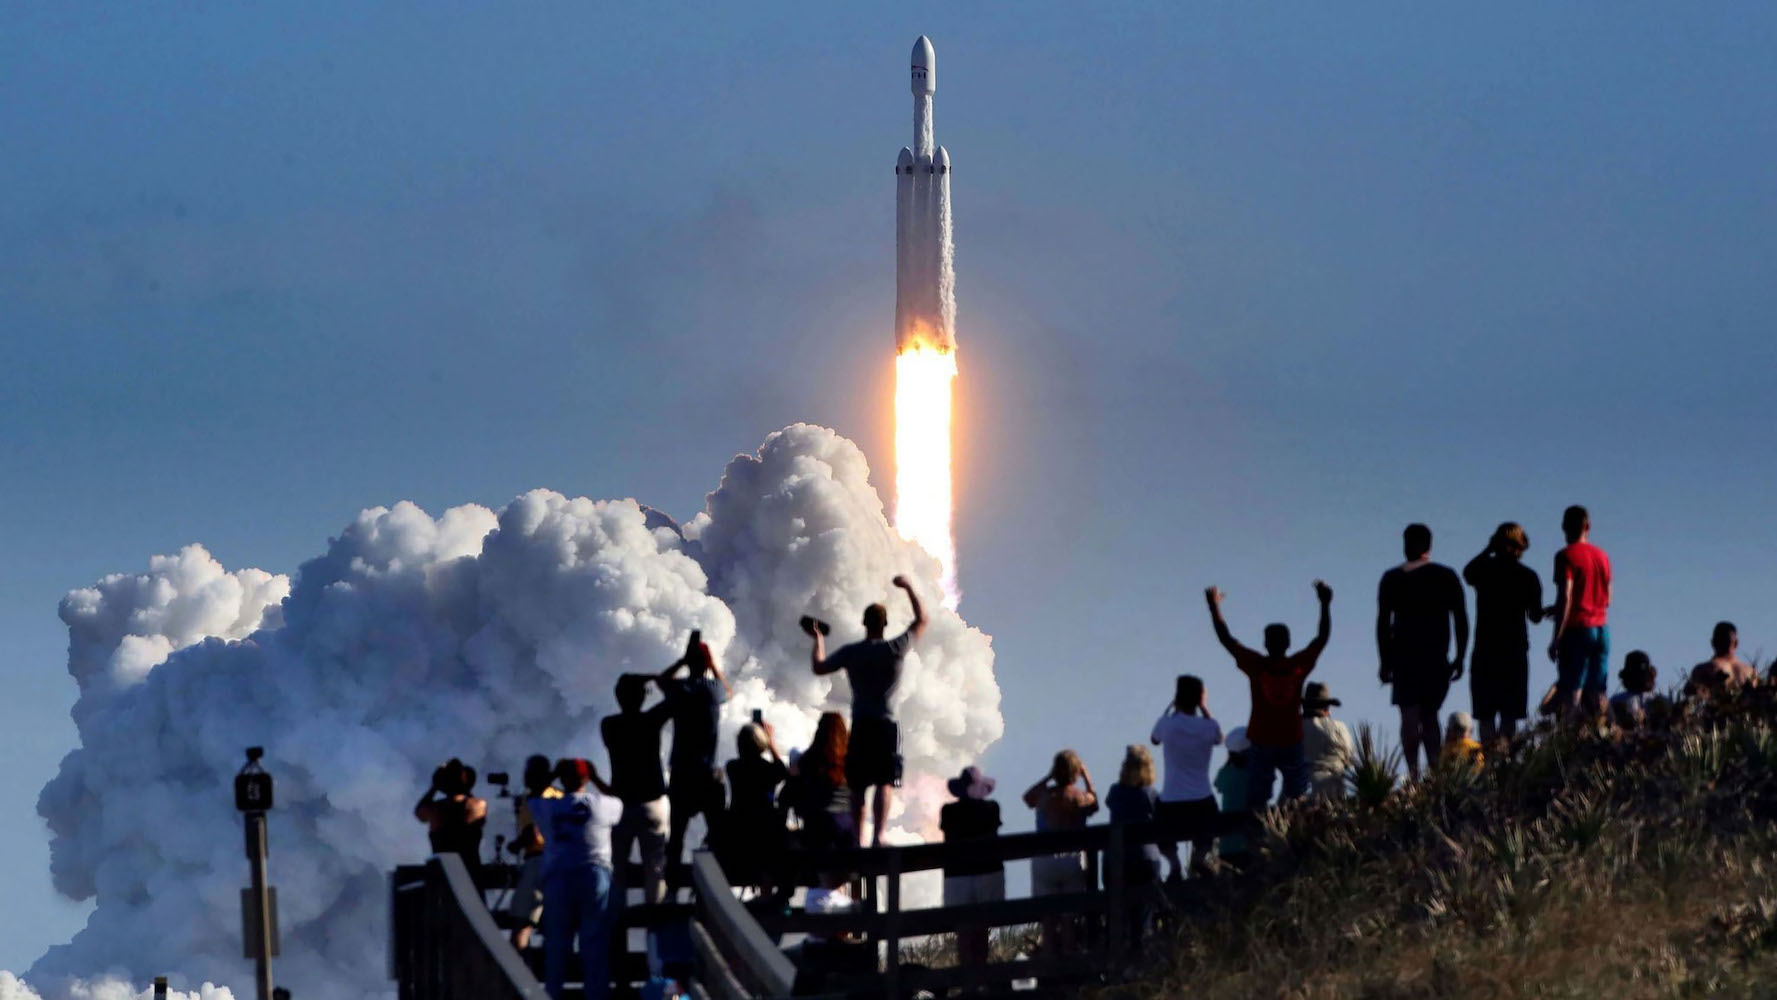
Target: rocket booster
(925, 270)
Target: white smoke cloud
(481, 634)
(13, 988)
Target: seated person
(1460, 745)
(1724, 672)
(1628, 707)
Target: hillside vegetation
(1579, 864)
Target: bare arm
(1563, 614)
(919, 612)
(1213, 597)
(817, 655)
(1460, 611)
(1384, 624)
(1323, 630)
(423, 810)
(1034, 794)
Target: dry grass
(1577, 865)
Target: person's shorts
(1055, 874)
(874, 756)
(526, 905)
(695, 788)
(1422, 684)
(1194, 821)
(961, 890)
(1499, 683)
(1582, 661)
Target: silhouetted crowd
(577, 831)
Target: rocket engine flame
(923, 377)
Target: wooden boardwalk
(445, 944)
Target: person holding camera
(526, 905)
(632, 739)
(1275, 727)
(695, 703)
(454, 818)
(1064, 799)
(1188, 736)
(873, 665)
(577, 861)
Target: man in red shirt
(1581, 646)
(1276, 677)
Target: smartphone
(759, 715)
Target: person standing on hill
(1508, 596)
(1581, 646)
(1415, 605)
(1188, 736)
(873, 666)
(1276, 677)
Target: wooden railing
(748, 942)
(444, 943)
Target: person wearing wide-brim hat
(1326, 742)
(973, 816)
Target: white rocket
(925, 265)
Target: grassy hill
(1576, 865)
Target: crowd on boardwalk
(577, 829)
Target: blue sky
(1242, 290)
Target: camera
(500, 778)
(810, 623)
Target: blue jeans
(577, 899)
(1263, 761)
(1582, 661)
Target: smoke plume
(483, 634)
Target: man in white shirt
(577, 875)
(1188, 736)
(1326, 743)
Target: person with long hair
(1508, 598)
(1063, 800)
(1188, 736)
(454, 816)
(1133, 801)
(823, 796)
(753, 834)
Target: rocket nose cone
(905, 159)
(943, 158)
(922, 53)
(925, 67)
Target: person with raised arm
(695, 785)
(577, 876)
(1064, 799)
(1188, 736)
(873, 665)
(1276, 677)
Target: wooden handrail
(876, 861)
(770, 973)
(444, 944)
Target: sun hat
(971, 784)
(1237, 741)
(1316, 695)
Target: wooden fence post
(1117, 914)
(892, 932)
